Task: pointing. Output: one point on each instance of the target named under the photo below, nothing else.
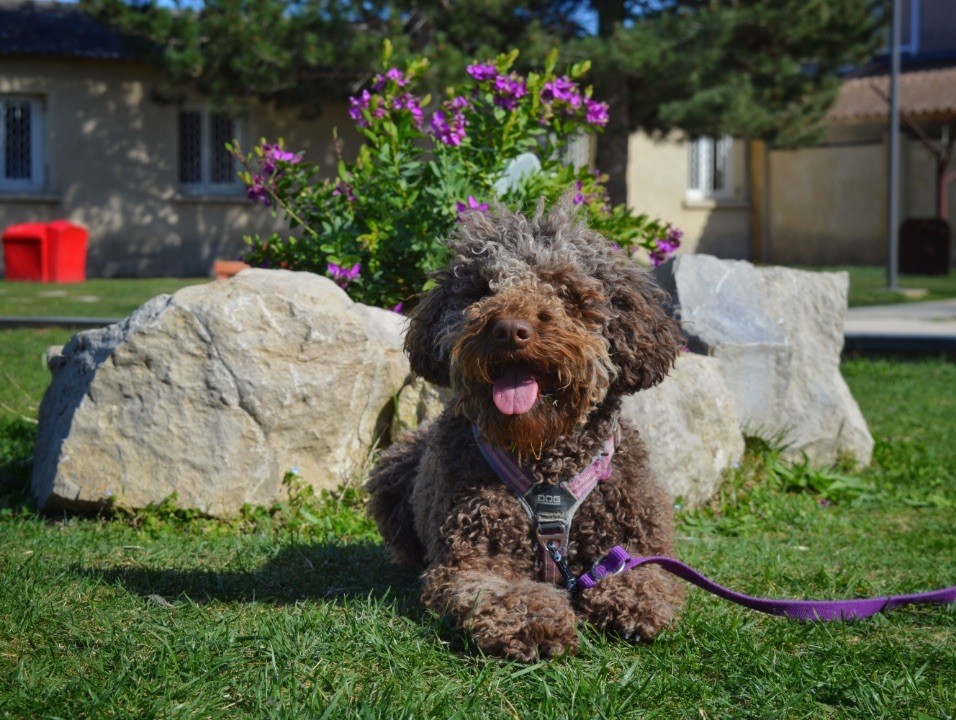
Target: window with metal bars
(205, 165)
(21, 144)
(711, 165)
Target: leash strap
(618, 560)
(550, 507)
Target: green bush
(378, 227)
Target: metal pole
(893, 215)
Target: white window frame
(37, 180)
(700, 168)
(206, 186)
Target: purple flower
(409, 102)
(271, 154)
(561, 89)
(398, 308)
(283, 155)
(473, 205)
(450, 131)
(342, 188)
(595, 112)
(342, 275)
(579, 195)
(258, 191)
(482, 72)
(391, 75)
(508, 90)
(666, 246)
(357, 105)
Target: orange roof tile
(923, 93)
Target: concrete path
(904, 327)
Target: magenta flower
(508, 90)
(342, 188)
(357, 105)
(258, 191)
(666, 246)
(482, 72)
(561, 89)
(271, 154)
(595, 112)
(409, 102)
(398, 308)
(472, 206)
(451, 130)
(579, 195)
(391, 75)
(343, 276)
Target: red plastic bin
(67, 251)
(45, 252)
(25, 253)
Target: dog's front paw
(503, 612)
(634, 606)
(525, 626)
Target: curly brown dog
(539, 327)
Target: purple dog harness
(552, 507)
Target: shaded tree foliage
(762, 69)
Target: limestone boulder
(417, 403)
(215, 393)
(690, 425)
(777, 334)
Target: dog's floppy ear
(645, 341)
(421, 340)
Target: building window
(711, 165)
(205, 165)
(909, 28)
(21, 144)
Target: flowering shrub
(378, 227)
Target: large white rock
(778, 334)
(416, 403)
(691, 428)
(216, 392)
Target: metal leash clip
(599, 572)
(570, 582)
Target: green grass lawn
(868, 286)
(94, 298)
(295, 612)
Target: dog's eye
(544, 316)
(478, 289)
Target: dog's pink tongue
(515, 391)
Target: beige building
(83, 139)
(825, 204)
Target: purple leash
(618, 560)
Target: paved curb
(42, 322)
(907, 344)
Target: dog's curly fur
(594, 330)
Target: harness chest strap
(551, 508)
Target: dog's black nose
(512, 333)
